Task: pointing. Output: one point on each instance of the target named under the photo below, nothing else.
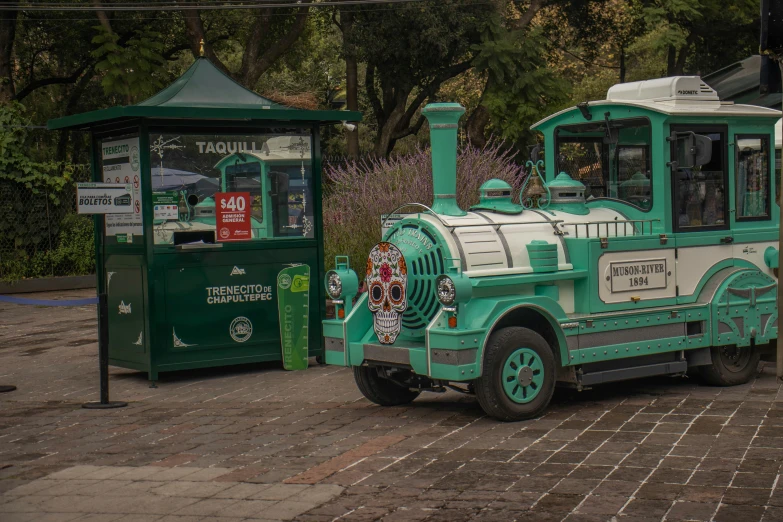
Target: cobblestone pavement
(256, 442)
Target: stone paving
(256, 442)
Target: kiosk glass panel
(188, 170)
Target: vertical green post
(443, 118)
(779, 358)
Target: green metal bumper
(447, 354)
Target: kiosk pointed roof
(204, 85)
(203, 92)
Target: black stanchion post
(103, 357)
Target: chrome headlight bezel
(446, 290)
(334, 284)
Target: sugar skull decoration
(387, 283)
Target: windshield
(612, 159)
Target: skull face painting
(387, 284)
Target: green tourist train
(645, 242)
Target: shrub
(36, 200)
(357, 193)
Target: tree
(708, 33)
(513, 60)
(8, 20)
(409, 53)
(266, 35)
(346, 24)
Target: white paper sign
(104, 198)
(644, 274)
(167, 212)
(120, 163)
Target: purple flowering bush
(357, 193)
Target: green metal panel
(127, 311)
(204, 304)
(745, 310)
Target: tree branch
(276, 50)
(434, 85)
(523, 21)
(410, 130)
(37, 84)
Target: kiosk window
(752, 171)
(611, 158)
(700, 199)
(189, 170)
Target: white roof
(688, 90)
(677, 95)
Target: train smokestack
(443, 118)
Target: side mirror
(693, 150)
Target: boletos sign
(293, 296)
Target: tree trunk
(622, 65)
(478, 120)
(351, 80)
(7, 34)
(254, 62)
(682, 56)
(671, 60)
(102, 17)
(194, 31)
(70, 108)
(385, 140)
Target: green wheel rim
(523, 375)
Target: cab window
(611, 158)
(700, 199)
(753, 180)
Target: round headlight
(446, 290)
(334, 286)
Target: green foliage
(34, 201)
(522, 88)
(134, 68)
(15, 164)
(74, 254)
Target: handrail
(390, 214)
(625, 223)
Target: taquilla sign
(226, 147)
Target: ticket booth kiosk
(226, 194)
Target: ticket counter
(226, 195)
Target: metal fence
(41, 235)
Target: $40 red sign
(233, 216)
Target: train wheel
(380, 390)
(518, 379)
(730, 365)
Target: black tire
(489, 387)
(379, 390)
(730, 365)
